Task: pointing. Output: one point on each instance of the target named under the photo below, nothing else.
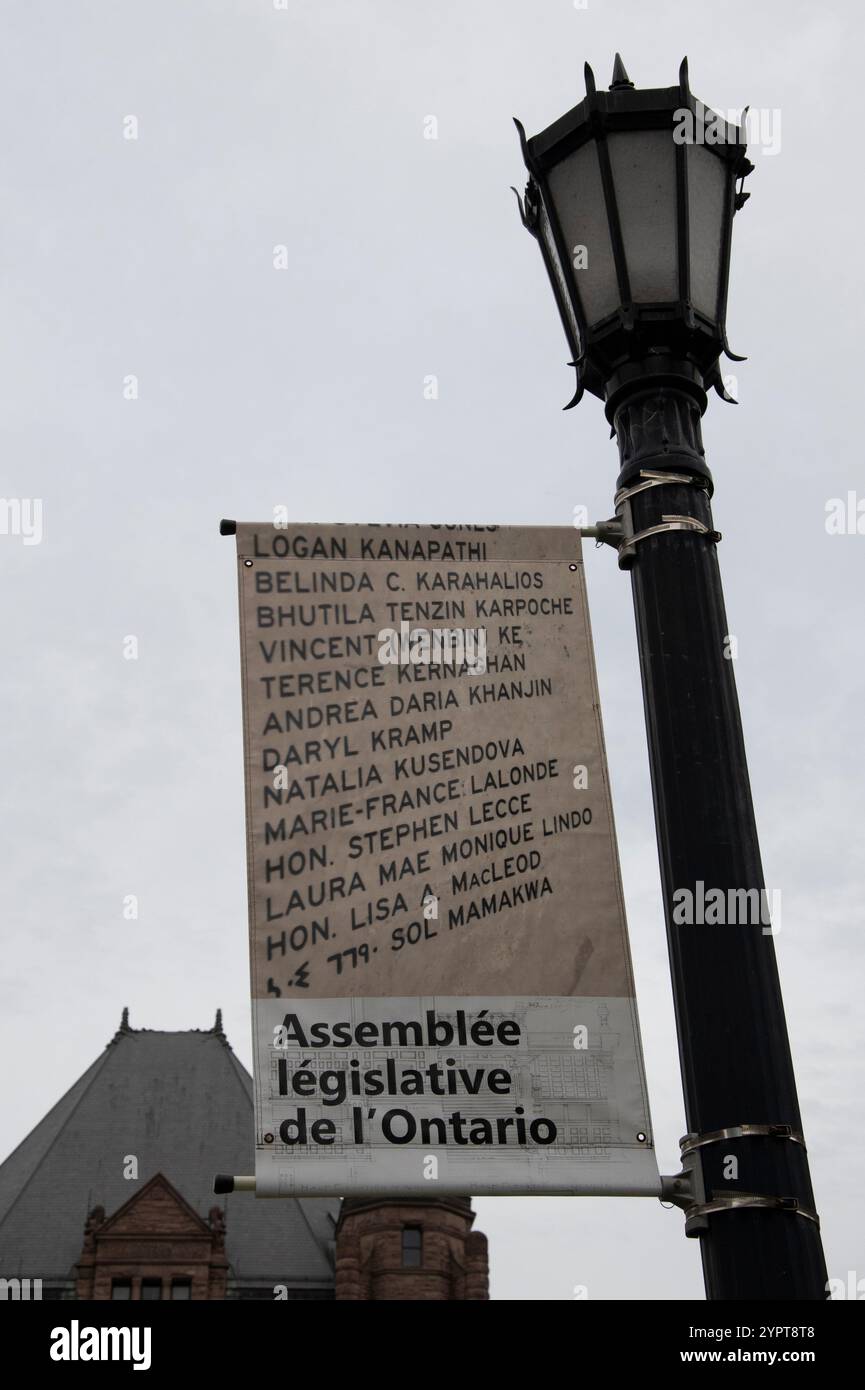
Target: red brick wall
(369, 1253)
(155, 1236)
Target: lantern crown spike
(590, 80)
(521, 131)
(620, 75)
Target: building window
(151, 1288)
(121, 1288)
(181, 1288)
(412, 1249)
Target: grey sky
(304, 127)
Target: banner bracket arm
(686, 1190)
(224, 1182)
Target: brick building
(410, 1250)
(111, 1197)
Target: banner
(442, 989)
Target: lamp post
(632, 196)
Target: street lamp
(631, 197)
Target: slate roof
(182, 1103)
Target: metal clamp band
(697, 1141)
(672, 523)
(654, 479)
(738, 1200)
(617, 531)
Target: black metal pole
(734, 1051)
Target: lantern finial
(620, 76)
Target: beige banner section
(506, 1096)
(428, 808)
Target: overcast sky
(153, 257)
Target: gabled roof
(182, 1104)
(147, 1204)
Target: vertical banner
(441, 982)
